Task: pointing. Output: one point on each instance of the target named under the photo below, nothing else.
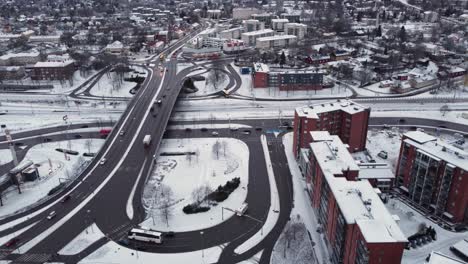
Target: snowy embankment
(273, 212)
(184, 165)
(87, 237)
(53, 167)
(302, 207)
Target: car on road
(204, 129)
(103, 161)
(188, 129)
(169, 234)
(159, 102)
(47, 139)
(246, 132)
(84, 126)
(122, 132)
(242, 209)
(258, 128)
(164, 96)
(12, 242)
(51, 215)
(66, 198)
(78, 136)
(18, 144)
(234, 128)
(214, 134)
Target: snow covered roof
(280, 20)
(462, 247)
(420, 136)
(359, 204)
(276, 37)
(258, 32)
(53, 64)
(348, 106)
(375, 171)
(19, 55)
(331, 154)
(261, 67)
(437, 149)
(439, 258)
(357, 200)
(115, 45)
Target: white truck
(147, 141)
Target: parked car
(383, 154)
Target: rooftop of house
(438, 149)
(53, 64)
(439, 258)
(348, 106)
(276, 37)
(258, 32)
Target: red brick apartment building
(286, 80)
(434, 174)
(343, 118)
(356, 225)
(53, 70)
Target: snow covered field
(209, 85)
(53, 169)
(184, 173)
(111, 84)
(87, 237)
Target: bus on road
(145, 235)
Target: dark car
(84, 126)
(66, 198)
(188, 129)
(47, 140)
(78, 136)
(18, 144)
(169, 234)
(258, 128)
(204, 129)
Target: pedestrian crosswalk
(33, 257)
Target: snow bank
(114, 253)
(87, 237)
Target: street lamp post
(202, 251)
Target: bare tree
(200, 193)
(224, 144)
(163, 202)
(88, 144)
(216, 149)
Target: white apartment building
(277, 41)
(296, 29)
(252, 25)
(278, 24)
(250, 38)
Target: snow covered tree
(163, 201)
(216, 149)
(200, 193)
